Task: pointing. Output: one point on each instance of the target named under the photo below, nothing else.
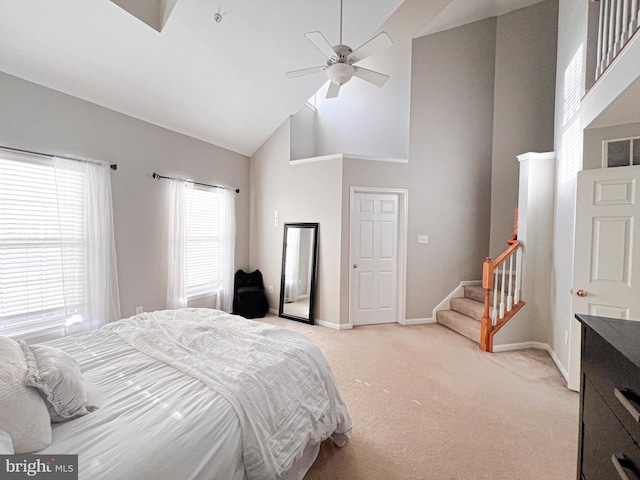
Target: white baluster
(494, 312)
(504, 272)
(612, 30)
(624, 35)
(600, 49)
(510, 295)
(633, 23)
(516, 297)
(618, 32)
(605, 35)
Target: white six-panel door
(374, 258)
(607, 257)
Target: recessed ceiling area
(154, 13)
(170, 63)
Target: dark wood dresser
(609, 443)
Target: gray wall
(449, 169)
(524, 105)
(37, 118)
(300, 193)
(448, 177)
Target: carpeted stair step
(468, 307)
(474, 292)
(460, 323)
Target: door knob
(355, 265)
(581, 293)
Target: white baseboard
(456, 293)
(335, 326)
(419, 321)
(274, 311)
(540, 346)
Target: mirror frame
(314, 268)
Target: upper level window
(621, 152)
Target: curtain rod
(156, 176)
(114, 166)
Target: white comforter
(198, 393)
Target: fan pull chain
(340, 22)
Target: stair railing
(502, 283)
(618, 21)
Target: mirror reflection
(298, 277)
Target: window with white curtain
(45, 245)
(201, 244)
(202, 255)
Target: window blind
(42, 245)
(202, 259)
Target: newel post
(486, 341)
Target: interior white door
(606, 260)
(374, 258)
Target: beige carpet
(426, 403)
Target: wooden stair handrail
(488, 329)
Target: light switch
(423, 238)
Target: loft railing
(618, 21)
(502, 283)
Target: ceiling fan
(341, 60)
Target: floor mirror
(299, 264)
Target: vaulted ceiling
(169, 62)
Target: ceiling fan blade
(377, 43)
(377, 78)
(321, 44)
(305, 71)
(333, 90)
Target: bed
(199, 394)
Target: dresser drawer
(608, 451)
(616, 378)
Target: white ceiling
(222, 82)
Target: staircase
(465, 313)
(484, 310)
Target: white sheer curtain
(102, 299)
(227, 216)
(180, 210)
(176, 281)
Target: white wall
(570, 81)
(36, 118)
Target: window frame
(605, 150)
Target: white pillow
(23, 413)
(6, 445)
(57, 375)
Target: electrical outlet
(423, 238)
(139, 309)
(270, 288)
(566, 336)
(275, 222)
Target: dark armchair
(249, 299)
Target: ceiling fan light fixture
(340, 73)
